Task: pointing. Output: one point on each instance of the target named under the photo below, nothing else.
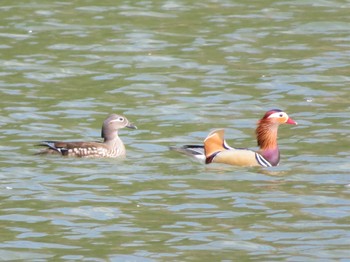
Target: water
(176, 69)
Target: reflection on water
(177, 70)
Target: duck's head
(266, 131)
(113, 123)
(277, 116)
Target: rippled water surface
(176, 69)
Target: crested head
(277, 116)
(266, 131)
(112, 124)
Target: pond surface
(177, 70)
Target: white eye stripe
(119, 119)
(278, 115)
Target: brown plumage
(112, 145)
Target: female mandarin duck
(112, 146)
(216, 150)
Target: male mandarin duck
(112, 146)
(216, 150)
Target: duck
(216, 150)
(111, 146)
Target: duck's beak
(131, 126)
(291, 121)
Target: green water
(176, 69)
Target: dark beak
(131, 126)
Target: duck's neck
(115, 143)
(266, 134)
(112, 139)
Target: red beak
(291, 121)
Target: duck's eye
(277, 115)
(119, 119)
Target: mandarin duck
(112, 146)
(216, 150)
